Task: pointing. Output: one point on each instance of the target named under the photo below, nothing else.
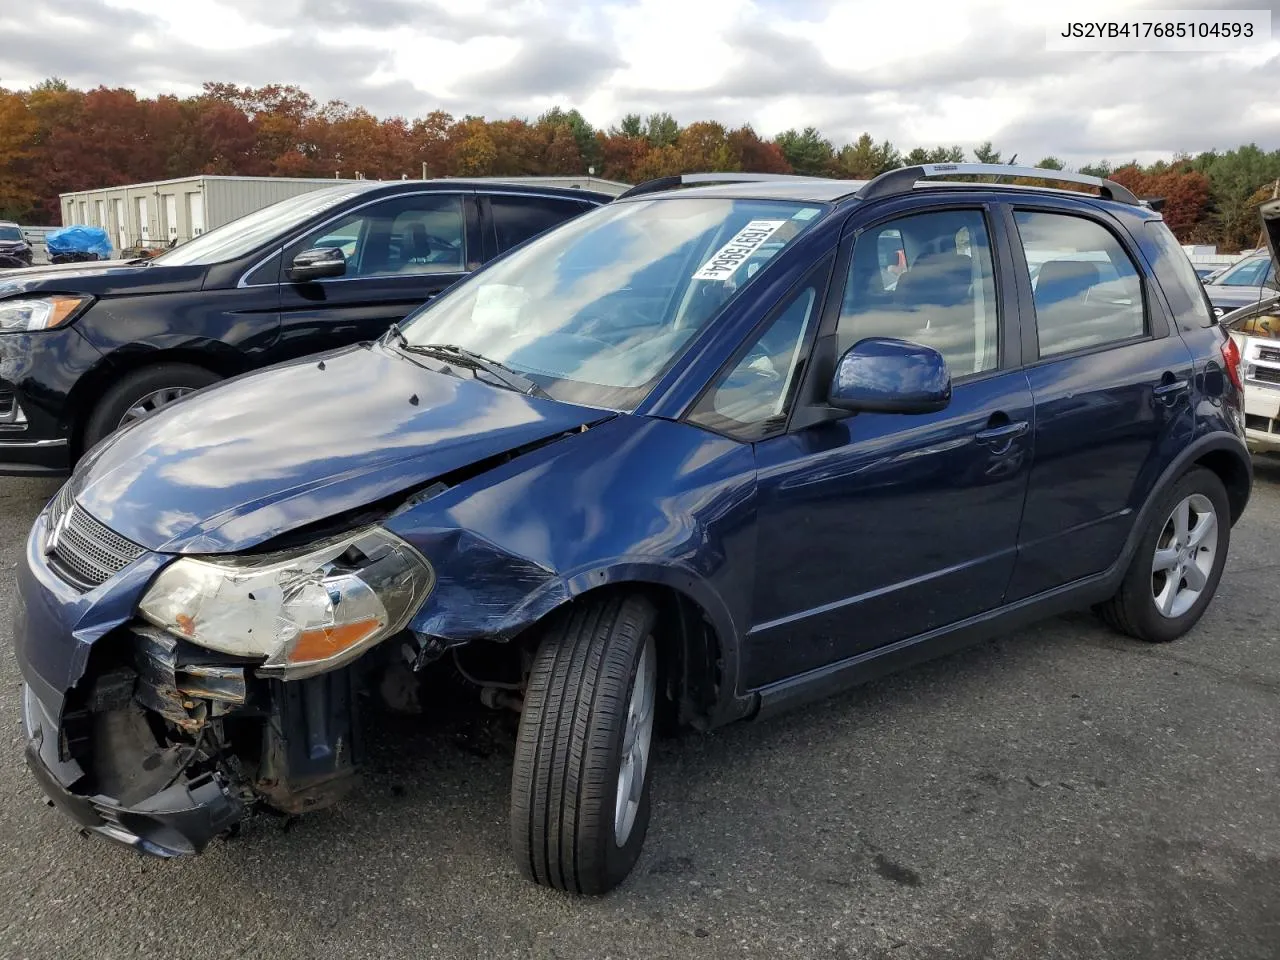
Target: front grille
(82, 550)
(1269, 353)
(1265, 374)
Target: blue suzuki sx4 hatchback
(706, 452)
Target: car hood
(100, 278)
(1270, 214)
(239, 463)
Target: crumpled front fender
(481, 592)
(486, 593)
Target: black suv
(15, 251)
(87, 348)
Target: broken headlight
(305, 611)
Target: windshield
(242, 236)
(10, 233)
(596, 310)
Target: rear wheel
(580, 783)
(1176, 568)
(141, 393)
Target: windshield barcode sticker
(735, 253)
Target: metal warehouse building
(156, 214)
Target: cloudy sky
(918, 73)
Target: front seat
(938, 293)
(415, 246)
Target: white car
(1256, 331)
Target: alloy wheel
(1184, 555)
(637, 739)
(152, 402)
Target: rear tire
(142, 387)
(578, 820)
(1176, 568)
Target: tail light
(1231, 361)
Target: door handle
(1169, 389)
(1002, 436)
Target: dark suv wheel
(1178, 563)
(580, 783)
(142, 393)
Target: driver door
(876, 528)
(400, 252)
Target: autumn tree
(621, 155)
(18, 129)
(586, 152)
(55, 139)
(755, 155)
(474, 152)
(430, 142)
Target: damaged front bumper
(165, 755)
(156, 743)
(179, 819)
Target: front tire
(141, 393)
(1176, 568)
(580, 782)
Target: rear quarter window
(1178, 279)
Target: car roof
(830, 190)
(480, 185)
(813, 190)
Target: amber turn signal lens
(326, 642)
(63, 307)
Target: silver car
(1242, 284)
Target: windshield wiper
(469, 358)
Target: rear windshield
(1178, 278)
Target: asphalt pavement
(1062, 792)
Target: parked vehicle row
(706, 452)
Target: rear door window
(1086, 290)
(517, 219)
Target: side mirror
(316, 264)
(880, 375)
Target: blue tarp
(79, 240)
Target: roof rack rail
(692, 179)
(904, 179)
